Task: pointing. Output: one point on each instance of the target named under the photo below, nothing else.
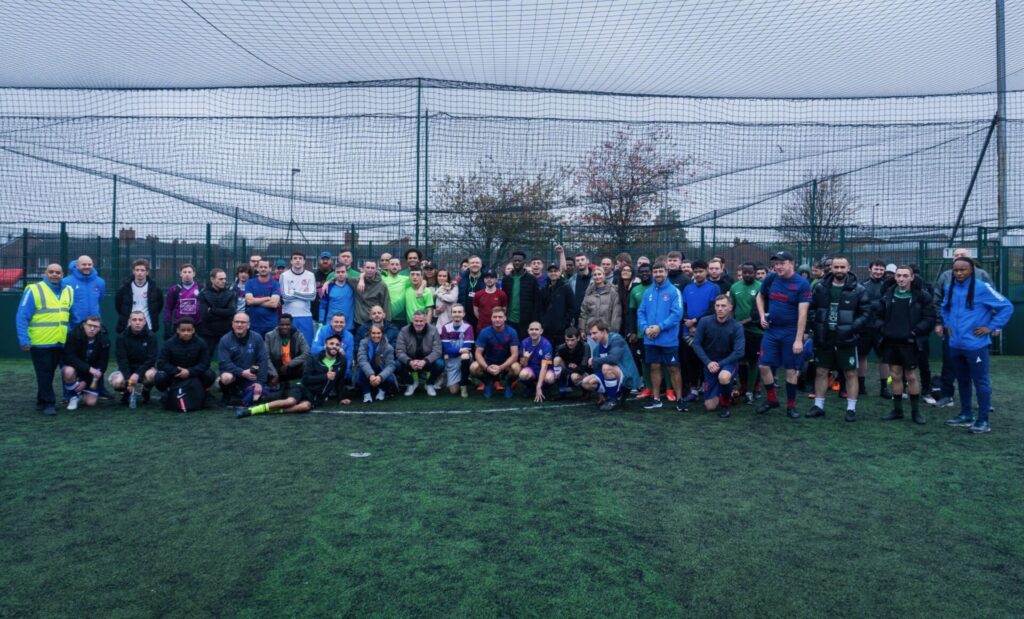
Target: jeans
(45, 362)
(971, 366)
(428, 374)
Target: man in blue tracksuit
(89, 288)
(971, 311)
(657, 321)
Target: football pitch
(502, 508)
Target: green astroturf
(558, 511)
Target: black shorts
(751, 345)
(301, 394)
(838, 358)
(903, 354)
(867, 342)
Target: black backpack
(185, 396)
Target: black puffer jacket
(216, 309)
(193, 355)
(855, 310)
(136, 352)
(76, 350)
(922, 313)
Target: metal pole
(234, 239)
(974, 177)
(419, 97)
(63, 243)
(291, 205)
(24, 257)
(814, 215)
(1001, 114)
(115, 246)
(352, 241)
(714, 232)
(426, 177)
(208, 257)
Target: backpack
(185, 396)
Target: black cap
(783, 255)
(488, 273)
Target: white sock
(851, 405)
(820, 403)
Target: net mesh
(468, 168)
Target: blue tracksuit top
(89, 289)
(990, 309)
(699, 300)
(662, 306)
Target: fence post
(174, 258)
(24, 257)
(426, 177)
(152, 256)
(99, 249)
(814, 223)
(842, 239)
(63, 243)
(209, 251)
(115, 244)
(922, 253)
(701, 243)
(419, 97)
(799, 253)
(245, 257)
(234, 239)
(352, 242)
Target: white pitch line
(449, 412)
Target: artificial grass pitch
(508, 510)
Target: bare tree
(490, 214)
(620, 182)
(817, 211)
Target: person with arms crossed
(139, 293)
(216, 308)
(262, 298)
(298, 289)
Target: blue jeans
(971, 366)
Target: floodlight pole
(291, 205)
(1001, 115)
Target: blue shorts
(712, 388)
(662, 355)
(777, 350)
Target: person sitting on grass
(570, 362)
(184, 360)
(322, 379)
(497, 350)
(86, 354)
(287, 353)
(457, 347)
(419, 351)
(719, 344)
(136, 359)
(376, 362)
(608, 360)
(243, 362)
(535, 359)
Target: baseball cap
(890, 268)
(326, 254)
(489, 273)
(783, 255)
(280, 264)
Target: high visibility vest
(49, 324)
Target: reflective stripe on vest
(49, 324)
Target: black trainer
(893, 415)
(793, 413)
(652, 404)
(851, 415)
(767, 406)
(725, 413)
(681, 406)
(816, 411)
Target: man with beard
(840, 309)
(262, 298)
(183, 363)
(523, 294)
(718, 276)
(287, 352)
(658, 318)
(322, 378)
(88, 289)
(370, 291)
(905, 317)
(471, 282)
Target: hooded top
(88, 289)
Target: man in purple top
(536, 355)
(182, 299)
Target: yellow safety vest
(49, 324)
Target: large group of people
(288, 339)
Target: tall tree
(817, 210)
(491, 214)
(620, 182)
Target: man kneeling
(243, 362)
(497, 349)
(606, 360)
(323, 377)
(86, 354)
(136, 360)
(419, 350)
(719, 343)
(536, 362)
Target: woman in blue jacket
(971, 311)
